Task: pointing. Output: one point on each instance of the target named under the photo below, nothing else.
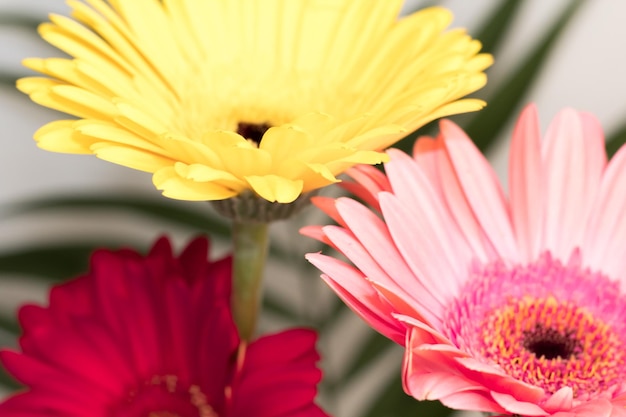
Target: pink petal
(352, 287)
(560, 401)
(413, 189)
(567, 202)
(595, 151)
(317, 233)
(526, 183)
(482, 189)
(425, 254)
(427, 152)
(618, 411)
(594, 408)
(327, 205)
(372, 249)
(369, 182)
(477, 401)
(461, 211)
(496, 380)
(422, 332)
(513, 406)
(607, 226)
(436, 385)
(404, 307)
(425, 358)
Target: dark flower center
(550, 343)
(253, 131)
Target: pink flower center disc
(547, 324)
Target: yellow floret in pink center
(546, 323)
(552, 344)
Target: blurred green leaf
(274, 306)
(375, 345)
(616, 140)
(19, 20)
(487, 124)
(8, 382)
(8, 322)
(493, 29)
(53, 262)
(392, 401)
(332, 314)
(9, 78)
(178, 213)
(163, 210)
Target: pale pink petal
(375, 252)
(327, 205)
(317, 233)
(427, 151)
(563, 414)
(421, 357)
(404, 307)
(369, 182)
(359, 295)
(513, 406)
(482, 190)
(496, 380)
(476, 401)
(595, 150)
(594, 408)
(618, 411)
(461, 211)
(374, 177)
(526, 183)
(561, 400)
(436, 385)
(426, 255)
(426, 359)
(607, 226)
(430, 154)
(422, 332)
(566, 201)
(620, 400)
(421, 203)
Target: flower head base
(249, 207)
(276, 97)
(155, 337)
(510, 306)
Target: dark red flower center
(165, 396)
(550, 343)
(253, 131)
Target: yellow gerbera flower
(217, 97)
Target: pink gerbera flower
(510, 306)
(154, 336)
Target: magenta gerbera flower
(154, 337)
(511, 306)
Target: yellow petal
(275, 188)
(130, 157)
(59, 136)
(165, 85)
(203, 173)
(173, 186)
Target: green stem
(250, 241)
